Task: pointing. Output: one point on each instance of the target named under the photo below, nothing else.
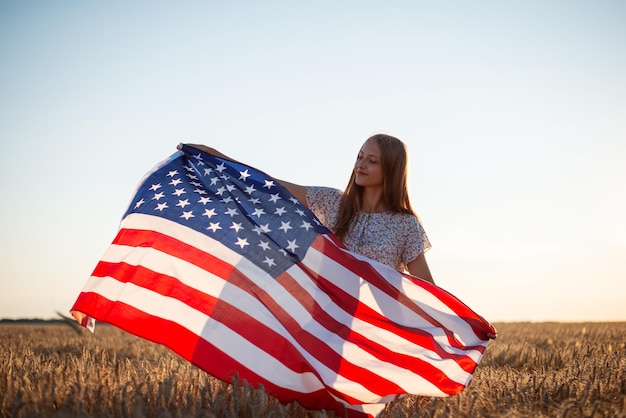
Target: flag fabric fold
(217, 261)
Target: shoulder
(316, 194)
(324, 202)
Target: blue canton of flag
(243, 208)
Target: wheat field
(531, 370)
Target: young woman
(373, 216)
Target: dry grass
(531, 370)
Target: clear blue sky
(514, 114)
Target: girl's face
(368, 171)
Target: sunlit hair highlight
(394, 164)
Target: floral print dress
(390, 238)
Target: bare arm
(419, 267)
(298, 191)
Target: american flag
(217, 261)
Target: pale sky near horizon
(514, 114)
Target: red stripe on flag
(174, 247)
(139, 323)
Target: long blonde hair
(394, 164)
